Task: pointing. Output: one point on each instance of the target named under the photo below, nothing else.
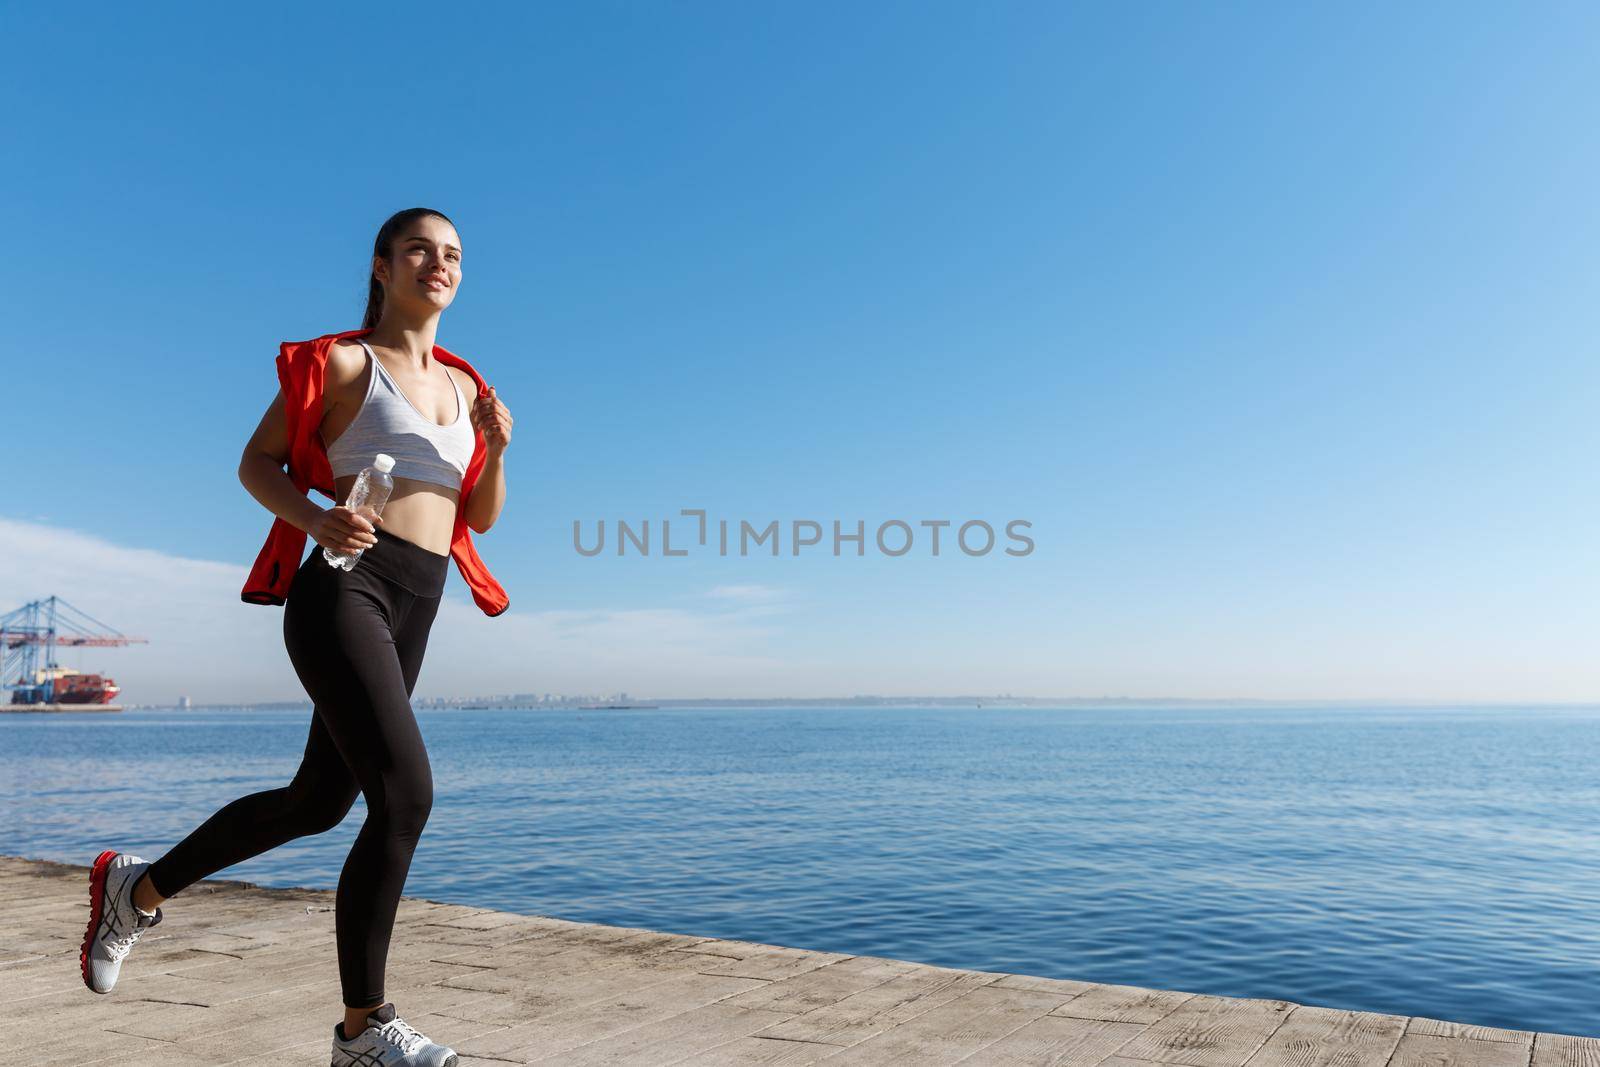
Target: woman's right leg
(316, 800)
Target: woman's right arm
(261, 470)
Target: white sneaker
(114, 923)
(389, 1041)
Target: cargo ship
(71, 687)
(30, 636)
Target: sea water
(1440, 862)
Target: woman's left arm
(491, 418)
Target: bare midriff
(423, 513)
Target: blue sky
(1277, 326)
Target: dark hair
(393, 227)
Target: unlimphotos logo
(893, 537)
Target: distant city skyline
(513, 702)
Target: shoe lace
(120, 947)
(138, 923)
(402, 1034)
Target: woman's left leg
(411, 640)
(357, 643)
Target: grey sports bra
(388, 421)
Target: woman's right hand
(343, 531)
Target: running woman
(356, 638)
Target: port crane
(34, 632)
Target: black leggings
(356, 639)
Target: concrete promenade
(237, 973)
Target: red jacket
(302, 367)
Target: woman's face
(426, 268)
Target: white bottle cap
(384, 463)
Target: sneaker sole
(97, 898)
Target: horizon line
(962, 699)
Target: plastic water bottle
(367, 497)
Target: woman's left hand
(492, 418)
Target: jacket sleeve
(279, 558)
(275, 565)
